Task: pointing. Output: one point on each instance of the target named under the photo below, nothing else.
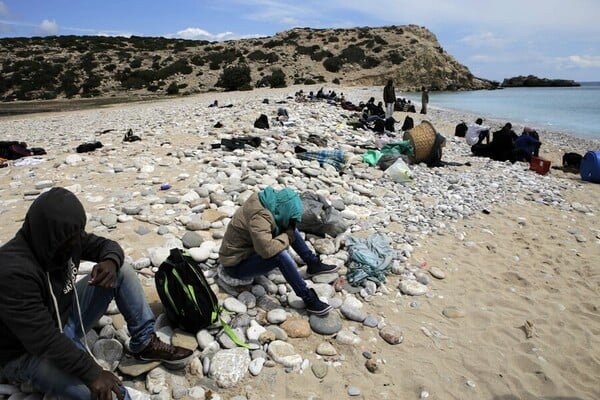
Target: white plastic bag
(399, 172)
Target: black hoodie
(28, 321)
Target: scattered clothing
(331, 157)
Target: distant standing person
(424, 100)
(389, 98)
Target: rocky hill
(94, 66)
(534, 81)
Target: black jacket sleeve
(29, 319)
(96, 249)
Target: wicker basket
(422, 138)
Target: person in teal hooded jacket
(257, 239)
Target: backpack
(187, 298)
(262, 122)
(389, 124)
(379, 125)
(408, 124)
(461, 130)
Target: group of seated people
(505, 144)
(330, 96)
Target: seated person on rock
(526, 146)
(476, 133)
(45, 312)
(500, 148)
(257, 239)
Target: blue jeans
(256, 266)
(46, 377)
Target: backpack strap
(216, 315)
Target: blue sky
(495, 39)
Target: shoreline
(511, 245)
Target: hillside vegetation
(96, 66)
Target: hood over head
(285, 205)
(55, 218)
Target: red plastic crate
(539, 165)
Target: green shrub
(136, 63)
(68, 84)
(395, 57)
(336, 81)
(173, 89)
(273, 43)
(277, 79)
(309, 81)
(235, 77)
(369, 62)
(333, 64)
(259, 55)
(352, 54)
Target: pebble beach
(493, 293)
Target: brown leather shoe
(157, 350)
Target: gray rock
(412, 288)
(352, 313)
(392, 335)
(108, 352)
(319, 369)
(284, 354)
(326, 325)
(191, 239)
(228, 367)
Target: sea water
(571, 110)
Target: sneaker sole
(337, 267)
(174, 364)
(320, 313)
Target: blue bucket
(590, 167)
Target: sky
(495, 39)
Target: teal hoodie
(285, 205)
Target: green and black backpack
(187, 298)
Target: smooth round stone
(412, 288)
(142, 230)
(109, 220)
(352, 313)
(43, 185)
(453, 312)
(353, 391)
(392, 335)
(131, 210)
(277, 316)
(347, 337)
(256, 365)
(422, 278)
(172, 200)
(437, 273)
(319, 369)
(371, 321)
(327, 325)
(234, 305)
(192, 239)
(326, 349)
(296, 327)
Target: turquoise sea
(573, 110)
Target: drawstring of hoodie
(55, 302)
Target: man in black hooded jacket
(41, 316)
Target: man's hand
(106, 383)
(104, 274)
(290, 232)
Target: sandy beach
(515, 314)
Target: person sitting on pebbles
(45, 312)
(257, 239)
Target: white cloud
(201, 34)
(585, 61)
(485, 40)
(47, 27)
(3, 9)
